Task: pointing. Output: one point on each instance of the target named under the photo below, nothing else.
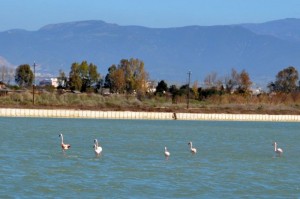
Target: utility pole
(188, 93)
(33, 85)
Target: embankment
(89, 114)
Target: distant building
(3, 89)
(105, 91)
(256, 91)
(49, 82)
(151, 88)
(2, 85)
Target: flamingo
(193, 150)
(167, 153)
(97, 148)
(278, 151)
(63, 145)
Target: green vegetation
(286, 81)
(128, 77)
(24, 75)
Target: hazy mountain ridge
(168, 53)
(286, 29)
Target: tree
(195, 89)
(108, 78)
(232, 81)
(129, 75)
(140, 76)
(62, 79)
(118, 81)
(4, 72)
(207, 92)
(161, 87)
(75, 80)
(211, 79)
(184, 89)
(11, 74)
(93, 77)
(286, 80)
(244, 83)
(238, 82)
(7, 74)
(83, 76)
(135, 75)
(175, 93)
(24, 75)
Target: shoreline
(90, 114)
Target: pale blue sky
(33, 14)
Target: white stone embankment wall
(88, 114)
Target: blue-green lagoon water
(234, 159)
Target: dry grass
(263, 104)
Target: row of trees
(239, 83)
(130, 76)
(127, 77)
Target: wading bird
(97, 148)
(193, 150)
(278, 151)
(63, 145)
(167, 153)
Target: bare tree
(238, 82)
(231, 82)
(11, 75)
(6, 74)
(210, 79)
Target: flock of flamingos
(98, 149)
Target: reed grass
(227, 103)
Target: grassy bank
(264, 104)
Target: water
(234, 159)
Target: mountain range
(168, 53)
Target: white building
(49, 82)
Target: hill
(169, 53)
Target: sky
(34, 14)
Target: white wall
(61, 113)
